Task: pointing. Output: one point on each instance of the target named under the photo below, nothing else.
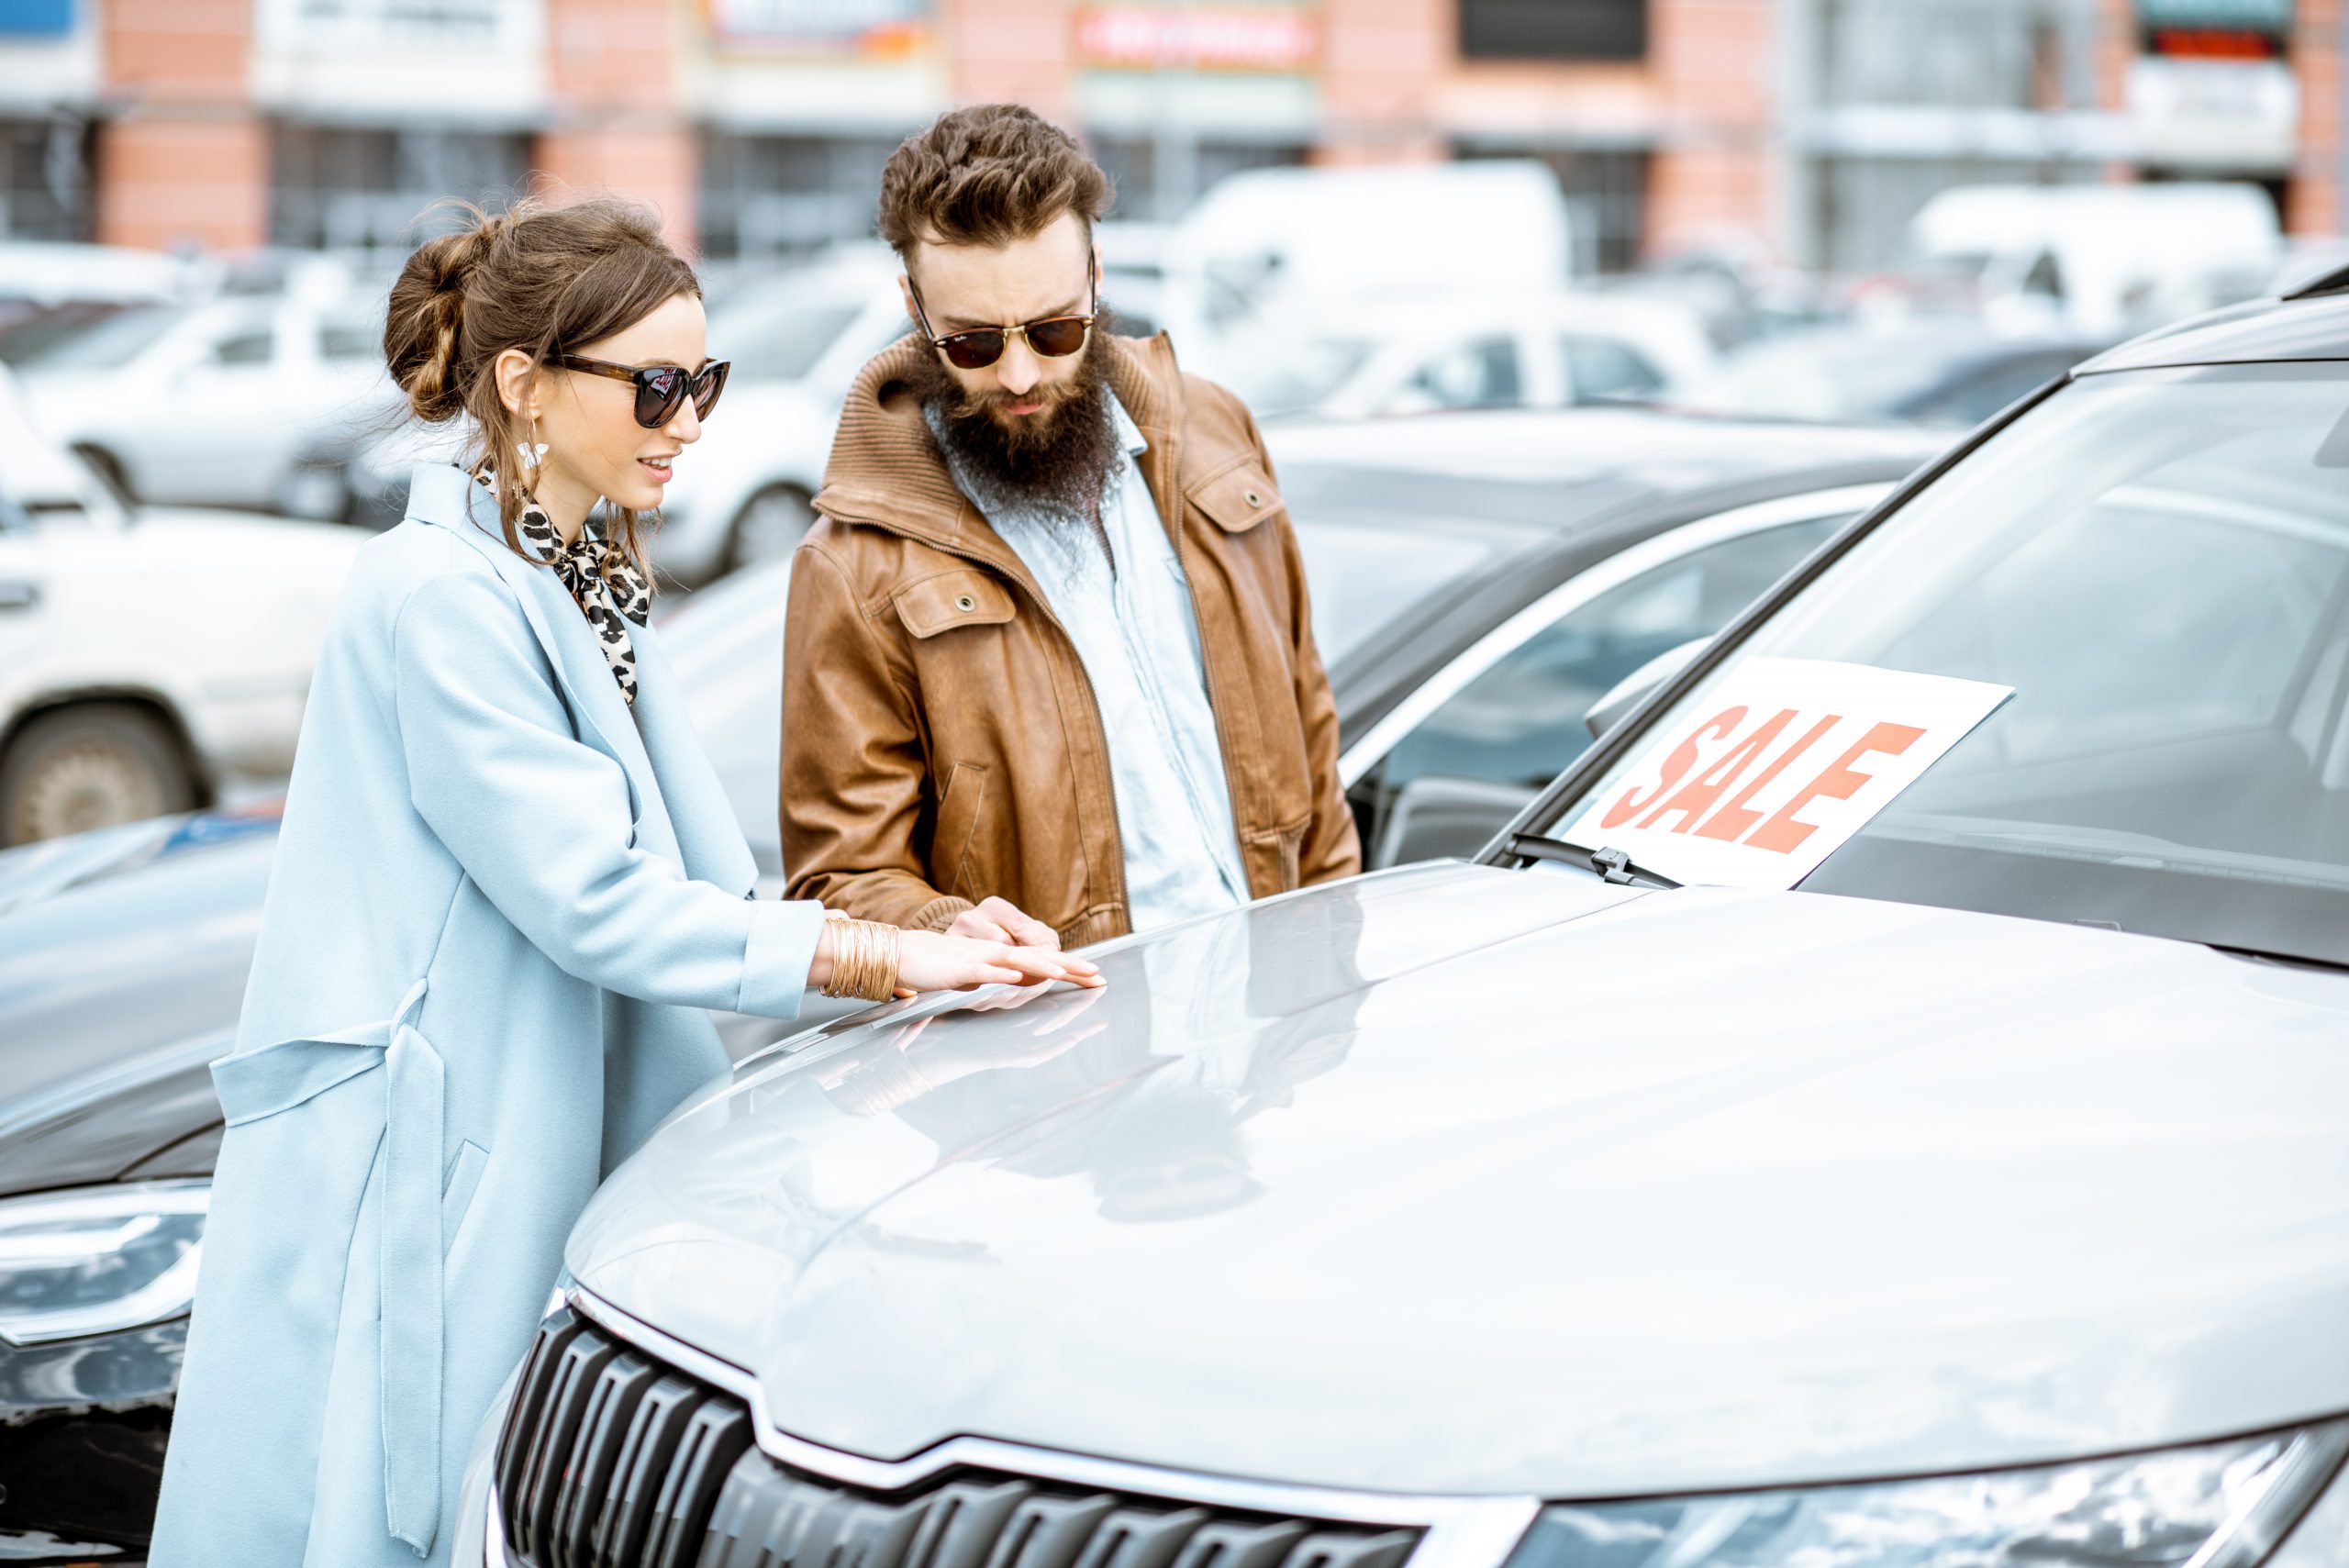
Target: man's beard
(1059, 456)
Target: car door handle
(16, 594)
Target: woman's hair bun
(423, 325)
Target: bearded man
(1050, 670)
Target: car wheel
(110, 471)
(90, 766)
(770, 524)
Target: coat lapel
(448, 497)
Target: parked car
(39, 276)
(797, 341)
(358, 476)
(1415, 569)
(1361, 357)
(1947, 374)
(207, 404)
(2099, 260)
(1625, 1197)
(1151, 282)
(146, 654)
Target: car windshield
(108, 343)
(1299, 373)
(771, 339)
(2157, 562)
(32, 335)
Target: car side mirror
(1632, 689)
(1434, 818)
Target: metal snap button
(966, 604)
(1252, 498)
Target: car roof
(1558, 467)
(1556, 490)
(1941, 338)
(2311, 326)
(1389, 315)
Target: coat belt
(408, 1353)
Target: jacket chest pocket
(945, 600)
(1238, 498)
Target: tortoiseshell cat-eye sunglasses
(659, 388)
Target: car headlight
(96, 1260)
(2223, 1504)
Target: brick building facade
(1808, 127)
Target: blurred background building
(1812, 130)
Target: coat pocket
(457, 1191)
(958, 826)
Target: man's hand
(1000, 920)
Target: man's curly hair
(986, 175)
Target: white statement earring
(534, 450)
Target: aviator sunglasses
(659, 388)
(1054, 338)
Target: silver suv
(1979, 1197)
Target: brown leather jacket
(941, 741)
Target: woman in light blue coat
(507, 887)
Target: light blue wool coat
(500, 906)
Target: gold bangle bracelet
(865, 960)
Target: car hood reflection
(1462, 1180)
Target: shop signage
(1198, 38)
(36, 18)
(1786, 761)
(2212, 88)
(365, 27)
(2214, 29)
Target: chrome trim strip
(493, 1533)
(1463, 1531)
(1580, 589)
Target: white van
(1285, 233)
(2105, 261)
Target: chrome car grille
(611, 1459)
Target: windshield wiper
(1611, 865)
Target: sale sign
(1784, 761)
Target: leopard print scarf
(608, 590)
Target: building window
(1553, 29)
(1606, 197)
(45, 164)
(1158, 180)
(348, 188)
(1996, 54)
(770, 195)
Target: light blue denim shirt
(1138, 636)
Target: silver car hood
(1462, 1180)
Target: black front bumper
(83, 1427)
